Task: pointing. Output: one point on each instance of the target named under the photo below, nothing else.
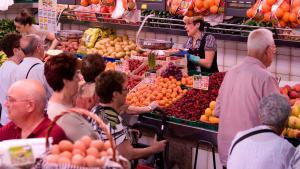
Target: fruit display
(84, 152)
(133, 64)
(282, 13)
(215, 81)
(292, 92)
(172, 70)
(133, 81)
(110, 66)
(209, 114)
(295, 7)
(115, 47)
(144, 69)
(3, 57)
(70, 45)
(208, 6)
(187, 81)
(164, 91)
(190, 106)
(292, 129)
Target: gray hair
(32, 43)
(274, 110)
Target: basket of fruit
(84, 153)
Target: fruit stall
(159, 74)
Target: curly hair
(24, 18)
(9, 42)
(92, 66)
(109, 82)
(58, 68)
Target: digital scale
(159, 5)
(237, 7)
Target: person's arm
(270, 86)
(134, 110)
(129, 152)
(51, 37)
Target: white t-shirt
(6, 71)
(260, 151)
(36, 73)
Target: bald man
(25, 102)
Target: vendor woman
(24, 25)
(202, 47)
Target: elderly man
(262, 146)
(25, 107)
(32, 66)
(243, 88)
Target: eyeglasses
(10, 99)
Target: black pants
(224, 167)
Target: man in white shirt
(32, 66)
(10, 45)
(262, 147)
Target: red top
(11, 131)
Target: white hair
(259, 40)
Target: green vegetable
(6, 26)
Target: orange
(213, 9)
(293, 18)
(217, 2)
(295, 9)
(211, 3)
(296, 3)
(286, 17)
(206, 4)
(84, 3)
(267, 17)
(282, 23)
(198, 4)
(95, 1)
(270, 2)
(266, 8)
(285, 7)
(279, 13)
(250, 13)
(189, 13)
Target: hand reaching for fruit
(158, 146)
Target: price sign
(47, 15)
(21, 155)
(119, 66)
(204, 82)
(197, 82)
(150, 77)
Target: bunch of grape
(172, 70)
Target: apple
(293, 94)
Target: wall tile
(283, 51)
(242, 46)
(295, 78)
(161, 36)
(230, 57)
(174, 38)
(295, 65)
(220, 44)
(182, 39)
(150, 35)
(230, 45)
(220, 57)
(283, 64)
(295, 52)
(283, 77)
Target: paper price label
(204, 82)
(150, 77)
(119, 66)
(197, 82)
(21, 155)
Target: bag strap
(249, 135)
(30, 69)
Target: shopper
(111, 87)
(92, 66)
(10, 45)
(61, 72)
(202, 47)
(262, 146)
(295, 161)
(24, 25)
(25, 102)
(242, 89)
(32, 66)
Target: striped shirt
(210, 43)
(114, 122)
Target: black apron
(201, 53)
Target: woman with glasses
(62, 75)
(24, 25)
(10, 45)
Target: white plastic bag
(5, 4)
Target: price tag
(144, 6)
(150, 77)
(204, 82)
(119, 66)
(197, 81)
(21, 155)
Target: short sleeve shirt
(210, 43)
(114, 122)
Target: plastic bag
(294, 14)
(281, 13)
(5, 4)
(119, 10)
(180, 7)
(90, 37)
(206, 7)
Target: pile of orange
(294, 12)
(283, 13)
(206, 5)
(253, 10)
(164, 91)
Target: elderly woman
(262, 146)
(202, 47)
(62, 75)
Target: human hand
(193, 58)
(159, 146)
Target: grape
(172, 70)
